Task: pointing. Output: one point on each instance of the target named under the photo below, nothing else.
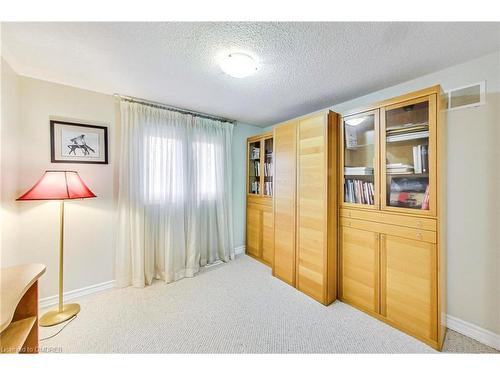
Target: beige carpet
(231, 308)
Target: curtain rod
(171, 108)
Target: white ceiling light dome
(238, 65)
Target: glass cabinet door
(268, 167)
(254, 172)
(360, 159)
(407, 153)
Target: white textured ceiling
(303, 66)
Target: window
(164, 177)
(205, 157)
(166, 164)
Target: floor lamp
(59, 185)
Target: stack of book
(268, 169)
(407, 132)
(256, 168)
(254, 187)
(268, 188)
(358, 191)
(409, 193)
(421, 158)
(399, 168)
(254, 153)
(358, 171)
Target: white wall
(9, 136)
(89, 223)
(240, 134)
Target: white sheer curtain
(175, 194)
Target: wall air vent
(467, 96)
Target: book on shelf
(425, 203)
(421, 158)
(358, 171)
(254, 187)
(358, 191)
(407, 136)
(407, 128)
(255, 153)
(268, 169)
(268, 188)
(256, 169)
(399, 168)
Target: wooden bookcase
(392, 232)
(260, 188)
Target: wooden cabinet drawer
(395, 230)
(400, 220)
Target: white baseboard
(239, 250)
(72, 294)
(474, 332)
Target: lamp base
(53, 317)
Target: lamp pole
(61, 255)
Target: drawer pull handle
(419, 224)
(419, 236)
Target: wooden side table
(19, 308)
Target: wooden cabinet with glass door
(359, 159)
(260, 223)
(408, 156)
(393, 209)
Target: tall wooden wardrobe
(305, 204)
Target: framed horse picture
(78, 143)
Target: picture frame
(72, 142)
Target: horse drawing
(78, 143)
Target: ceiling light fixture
(238, 65)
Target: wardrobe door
(312, 206)
(359, 260)
(285, 140)
(409, 285)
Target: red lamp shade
(57, 185)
